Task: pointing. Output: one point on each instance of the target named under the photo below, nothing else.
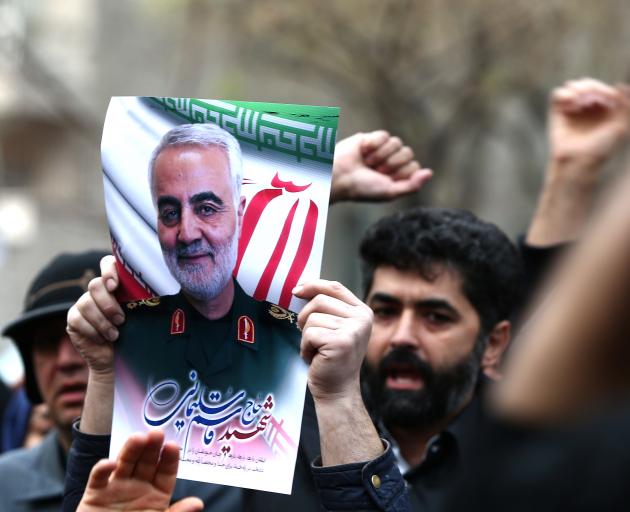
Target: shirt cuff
(371, 485)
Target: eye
(437, 318)
(384, 312)
(205, 210)
(169, 216)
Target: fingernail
(297, 289)
(118, 319)
(112, 334)
(111, 285)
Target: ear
(498, 341)
(239, 214)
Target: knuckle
(95, 284)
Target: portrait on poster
(216, 209)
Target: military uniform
(252, 348)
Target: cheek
(44, 372)
(376, 348)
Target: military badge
(281, 314)
(153, 301)
(178, 322)
(246, 331)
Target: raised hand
(375, 166)
(587, 120)
(141, 479)
(93, 319)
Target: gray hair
(205, 135)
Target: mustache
(401, 357)
(195, 248)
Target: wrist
(101, 376)
(343, 399)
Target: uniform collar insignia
(281, 314)
(246, 330)
(178, 321)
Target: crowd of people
(410, 404)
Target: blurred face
(421, 365)
(60, 372)
(198, 224)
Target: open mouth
(403, 377)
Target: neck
(217, 307)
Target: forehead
(191, 165)
(408, 286)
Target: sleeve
(537, 262)
(362, 486)
(86, 450)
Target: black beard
(442, 394)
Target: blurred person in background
(55, 375)
(23, 424)
(588, 123)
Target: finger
(191, 504)
(109, 273)
(373, 140)
(412, 184)
(380, 155)
(79, 326)
(310, 289)
(400, 158)
(105, 300)
(147, 463)
(324, 304)
(92, 314)
(129, 455)
(99, 476)
(313, 340)
(591, 93)
(324, 320)
(166, 471)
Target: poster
(216, 210)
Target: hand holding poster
(216, 211)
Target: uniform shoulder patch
(281, 314)
(153, 301)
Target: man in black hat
(32, 479)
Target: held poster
(216, 210)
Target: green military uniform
(252, 348)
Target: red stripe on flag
(252, 215)
(267, 276)
(129, 289)
(301, 257)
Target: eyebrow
(206, 196)
(425, 303)
(167, 201)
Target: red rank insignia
(178, 322)
(246, 330)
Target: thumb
(109, 273)
(191, 504)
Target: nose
(406, 332)
(188, 230)
(67, 355)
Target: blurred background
(465, 83)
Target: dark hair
(425, 240)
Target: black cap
(53, 291)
